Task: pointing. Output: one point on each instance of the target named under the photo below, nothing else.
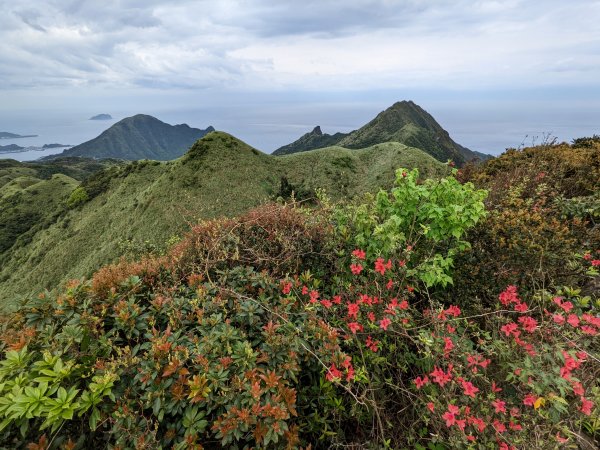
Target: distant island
(101, 117)
(55, 145)
(7, 135)
(12, 148)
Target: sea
(486, 127)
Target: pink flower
(287, 287)
(314, 296)
(596, 262)
(304, 290)
(449, 418)
(384, 323)
(360, 254)
(403, 304)
(336, 299)
(389, 285)
(371, 316)
(509, 296)
(430, 406)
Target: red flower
(371, 316)
(509, 296)
(495, 388)
(586, 406)
(509, 328)
(573, 320)
(304, 290)
(521, 307)
(558, 318)
(596, 262)
(528, 323)
(440, 377)
(420, 382)
(430, 406)
(453, 311)
(529, 400)
(314, 296)
(356, 269)
(449, 345)
(499, 426)
(403, 304)
(287, 287)
(373, 346)
(354, 327)
(333, 373)
(326, 303)
(567, 306)
(499, 405)
(360, 254)
(384, 323)
(449, 418)
(337, 299)
(469, 389)
(353, 309)
(389, 285)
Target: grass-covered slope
(140, 137)
(144, 204)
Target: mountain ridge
(404, 122)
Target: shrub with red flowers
(288, 328)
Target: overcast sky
(112, 53)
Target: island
(101, 117)
(12, 148)
(45, 146)
(7, 135)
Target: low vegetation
(457, 311)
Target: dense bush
(327, 327)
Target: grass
(151, 202)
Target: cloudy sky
(282, 65)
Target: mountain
(310, 141)
(139, 137)
(101, 117)
(404, 122)
(142, 205)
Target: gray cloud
(313, 44)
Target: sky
(494, 73)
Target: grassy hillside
(139, 137)
(144, 204)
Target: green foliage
(77, 197)
(418, 216)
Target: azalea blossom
(360, 254)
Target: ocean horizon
(488, 129)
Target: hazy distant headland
(7, 135)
